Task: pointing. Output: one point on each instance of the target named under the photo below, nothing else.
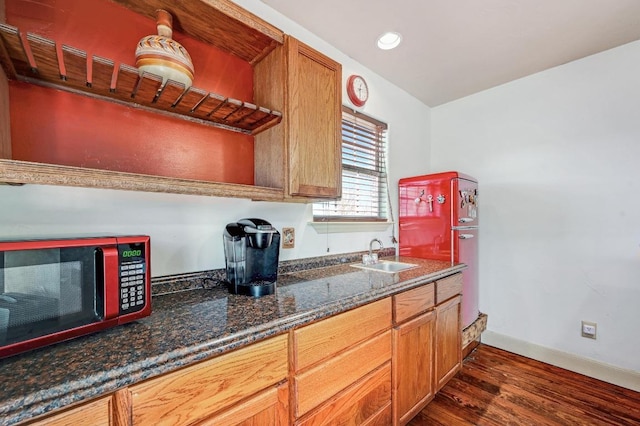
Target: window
(364, 172)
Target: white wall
(186, 231)
(556, 154)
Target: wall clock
(357, 90)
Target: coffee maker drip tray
(255, 288)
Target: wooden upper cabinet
(314, 123)
(303, 153)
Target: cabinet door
(448, 357)
(413, 344)
(315, 97)
(268, 408)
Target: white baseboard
(608, 373)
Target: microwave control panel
(133, 286)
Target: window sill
(341, 227)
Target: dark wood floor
(500, 388)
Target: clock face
(357, 90)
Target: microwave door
(45, 291)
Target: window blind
(364, 178)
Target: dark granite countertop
(189, 326)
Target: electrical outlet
(589, 329)
(288, 237)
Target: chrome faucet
(374, 258)
(375, 240)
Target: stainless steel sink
(387, 266)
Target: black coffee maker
(251, 249)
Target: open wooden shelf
(25, 172)
(38, 60)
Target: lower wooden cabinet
(448, 287)
(334, 361)
(268, 408)
(323, 340)
(378, 364)
(413, 340)
(427, 344)
(413, 383)
(448, 341)
(94, 413)
(326, 380)
(195, 393)
(368, 401)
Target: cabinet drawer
(319, 341)
(95, 413)
(269, 407)
(382, 418)
(358, 404)
(195, 392)
(448, 287)
(413, 302)
(326, 380)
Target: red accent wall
(54, 126)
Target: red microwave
(58, 289)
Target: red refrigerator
(438, 216)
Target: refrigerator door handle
(465, 236)
(465, 220)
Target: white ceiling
(453, 48)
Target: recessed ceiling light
(389, 40)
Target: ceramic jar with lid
(161, 55)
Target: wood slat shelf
(36, 60)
